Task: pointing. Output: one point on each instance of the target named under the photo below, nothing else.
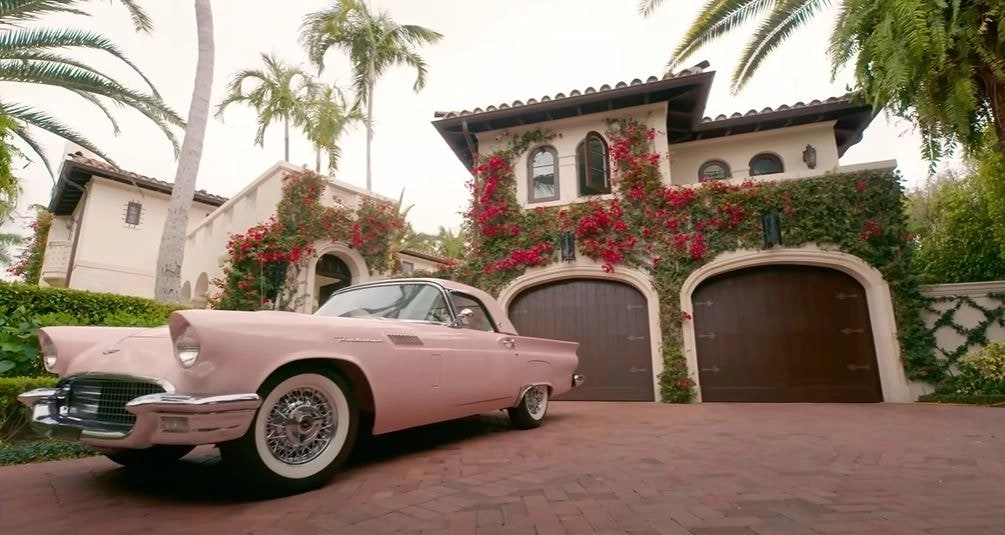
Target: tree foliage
(374, 43)
(937, 63)
(951, 218)
(40, 56)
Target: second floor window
(593, 165)
(133, 212)
(766, 164)
(543, 175)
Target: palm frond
(716, 18)
(50, 124)
(141, 20)
(22, 41)
(647, 7)
(786, 17)
(33, 10)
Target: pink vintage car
(285, 395)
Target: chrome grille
(102, 401)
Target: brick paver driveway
(593, 467)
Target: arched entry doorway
(609, 319)
(330, 274)
(784, 333)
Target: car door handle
(508, 343)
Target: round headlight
(187, 348)
(48, 352)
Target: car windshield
(416, 302)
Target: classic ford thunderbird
(284, 395)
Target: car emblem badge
(359, 340)
(110, 351)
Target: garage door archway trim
(892, 377)
(634, 278)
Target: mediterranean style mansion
(101, 211)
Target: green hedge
(37, 451)
(14, 415)
(24, 308)
(963, 399)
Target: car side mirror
(463, 318)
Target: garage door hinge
(700, 303)
(843, 296)
(713, 369)
(854, 367)
(632, 337)
(848, 330)
(709, 335)
(629, 307)
(637, 370)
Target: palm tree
(374, 43)
(37, 56)
(324, 117)
(779, 18)
(451, 245)
(280, 89)
(167, 284)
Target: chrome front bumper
(164, 418)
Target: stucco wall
(786, 143)
(111, 255)
(569, 132)
(966, 316)
(206, 247)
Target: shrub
(24, 308)
(981, 373)
(13, 415)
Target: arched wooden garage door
(785, 334)
(610, 321)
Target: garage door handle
(709, 335)
(847, 330)
(714, 369)
(637, 370)
(632, 338)
(854, 367)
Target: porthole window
(713, 170)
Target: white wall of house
(569, 133)
(737, 151)
(111, 254)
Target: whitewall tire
(532, 408)
(302, 433)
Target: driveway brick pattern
(611, 468)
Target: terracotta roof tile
(783, 107)
(201, 195)
(697, 69)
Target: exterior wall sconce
(810, 156)
(568, 246)
(771, 228)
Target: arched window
(713, 170)
(593, 165)
(766, 164)
(543, 172)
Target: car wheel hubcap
(301, 425)
(537, 400)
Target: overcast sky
(493, 51)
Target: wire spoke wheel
(300, 426)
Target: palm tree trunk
(286, 139)
(167, 284)
(317, 159)
(369, 134)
